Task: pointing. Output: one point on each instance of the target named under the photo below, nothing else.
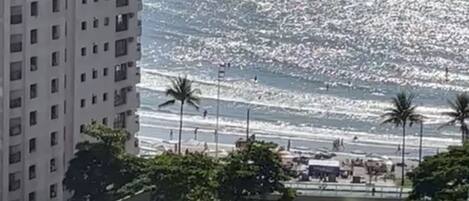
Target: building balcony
(121, 3)
(15, 75)
(14, 158)
(16, 47)
(139, 27)
(120, 99)
(15, 103)
(15, 130)
(120, 76)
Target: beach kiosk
(329, 169)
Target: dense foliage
(443, 177)
(101, 171)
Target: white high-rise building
(65, 64)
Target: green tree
(288, 194)
(443, 177)
(253, 171)
(100, 168)
(181, 90)
(459, 114)
(402, 113)
(190, 177)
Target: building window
(34, 9)
(106, 21)
(53, 191)
(94, 99)
(55, 58)
(14, 182)
(14, 154)
(121, 47)
(53, 138)
(32, 118)
(82, 128)
(119, 121)
(95, 23)
(53, 166)
(55, 32)
(120, 72)
(33, 36)
(105, 72)
(33, 63)
(15, 126)
(16, 43)
(54, 112)
(120, 97)
(16, 72)
(32, 172)
(95, 74)
(15, 99)
(120, 3)
(82, 103)
(83, 77)
(55, 6)
(104, 97)
(32, 145)
(104, 121)
(122, 22)
(83, 51)
(32, 196)
(16, 15)
(106, 46)
(54, 86)
(83, 1)
(95, 49)
(32, 91)
(83, 25)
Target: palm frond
(167, 103)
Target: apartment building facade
(65, 64)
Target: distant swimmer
(398, 148)
(446, 74)
(355, 138)
(255, 78)
(327, 87)
(205, 114)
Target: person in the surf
(446, 74)
(171, 134)
(195, 133)
(398, 148)
(205, 114)
(255, 79)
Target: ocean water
(365, 51)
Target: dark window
(54, 86)
(34, 9)
(94, 99)
(32, 172)
(120, 3)
(95, 23)
(83, 25)
(53, 165)
(32, 145)
(16, 72)
(15, 126)
(14, 154)
(121, 47)
(53, 191)
(106, 47)
(32, 91)
(83, 77)
(33, 63)
(95, 74)
(55, 58)
(54, 112)
(105, 72)
(33, 36)
(95, 49)
(122, 22)
(16, 16)
(82, 103)
(83, 51)
(55, 32)
(16, 43)
(32, 196)
(104, 97)
(14, 181)
(55, 6)
(32, 118)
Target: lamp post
(221, 75)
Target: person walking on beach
(195, 133)
(171, 134)
(398, 148)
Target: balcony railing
(16, 19)
(119, 124)
(15, 103)
(14, 157)
(120, 3)
(15, 130)
(14, 185)
(122, 26)
(120, 99)
(120, 75)
(16, 47)
(15, 75)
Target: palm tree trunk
(181, 114)
(403, 160)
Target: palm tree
(402, 113)
(459, 113)
(181, 91)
